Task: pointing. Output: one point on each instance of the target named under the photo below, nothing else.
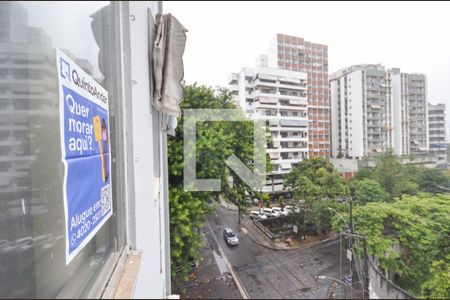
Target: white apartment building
(374, 109)
(278, 97)
(438, 131)
(410, 112)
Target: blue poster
(84, 123)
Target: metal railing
(264, 229)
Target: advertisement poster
(84, 125)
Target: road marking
(244, 230)
(223, 268)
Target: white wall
(334, 119)
(427, 130)
(397, 115)
(356, 126)
(241, 93)
(273, 53)
(355, 113)
(148, 213)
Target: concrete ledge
(113, 282)
(127, 281)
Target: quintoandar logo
(65, 69)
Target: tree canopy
(367, 190)
(315, 181)
(215, 142)
(315, 177)
(411, 237)
(391, 175)
(433, 181)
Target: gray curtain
(168, 70)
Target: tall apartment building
(438, 131)
(374, 109)
(278, 97)
(295, 54)
(410, 112)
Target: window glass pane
(32, 222)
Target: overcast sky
(224, 37)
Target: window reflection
(32, 236)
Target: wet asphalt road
(267, 273)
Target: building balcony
(290, 129)
(276, 188)
(293, 149)
(280, 171)
(278, 150)
(275, 181)
(275, 104)
(292, 138)
(291, 160)
(302, 97)
(260, 83)
(233, 87)
(257, 94)
(297, 86)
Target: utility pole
(351, 217)
(239, 217)
(365, 277)
(340, 254)
(366, 271)
(350, 242)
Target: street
(267, 273)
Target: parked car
(256, 215)
(286, 211)
(279, 211)
(230, 237)
(249, 201)
(292, 209)
(269, 212)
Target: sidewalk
(227, 204)
(261, 239)
(211, 279)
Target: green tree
(368, 190)
(364, 173)
(315, 178)
(408, 237)
(265, 198)
(438, 287)
(215, 142)
(320, 214)
(316, 181)
(392, 177)
(186, 219)
(412, 172)
(433, 181)
(304, 189)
